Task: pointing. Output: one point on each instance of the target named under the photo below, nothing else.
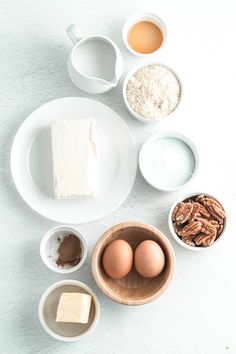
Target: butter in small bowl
(58, 316)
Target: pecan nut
(205, 240)
(195, 211)
(200, 198)
(191, 229)
(177, 227)
(182, 212)
(212, 202)
(215, 223)
(216, 211)
(206, 228)
(203, 211)
(189, 242)
(218, 225)
(177, 208)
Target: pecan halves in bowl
(198, 220)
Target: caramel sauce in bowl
(144, 34)
(145, 37)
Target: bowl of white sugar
(168, 161)
(151, 92)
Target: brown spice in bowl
(198, 220)
(69, 251)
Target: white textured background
(197, 315)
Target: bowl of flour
(151, 92)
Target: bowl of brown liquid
(144, 34)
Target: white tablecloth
(197, 313)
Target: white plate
(31, 163)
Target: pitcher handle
(74, 33)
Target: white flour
(153, 91)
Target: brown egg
(149, 259)
(118, 259)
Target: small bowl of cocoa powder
(197, 221)
(63, 249)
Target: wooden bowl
(133, 289)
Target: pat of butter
(73, 307)
(75, 160)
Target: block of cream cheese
(75, 159)
(73, 307)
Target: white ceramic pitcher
(95, 64)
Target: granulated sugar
(153, 91)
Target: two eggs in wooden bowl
(133, 263)
(148, 259)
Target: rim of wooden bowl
(96, 260)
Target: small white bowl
(176, 237)
(138, 17)
(124, 90)
(47, 309)
(148, 149)
(49, 247)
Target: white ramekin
(125, 83)
(176, 237)
(54, 302)
(138, 17)
(49, 246)
(169, 134)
